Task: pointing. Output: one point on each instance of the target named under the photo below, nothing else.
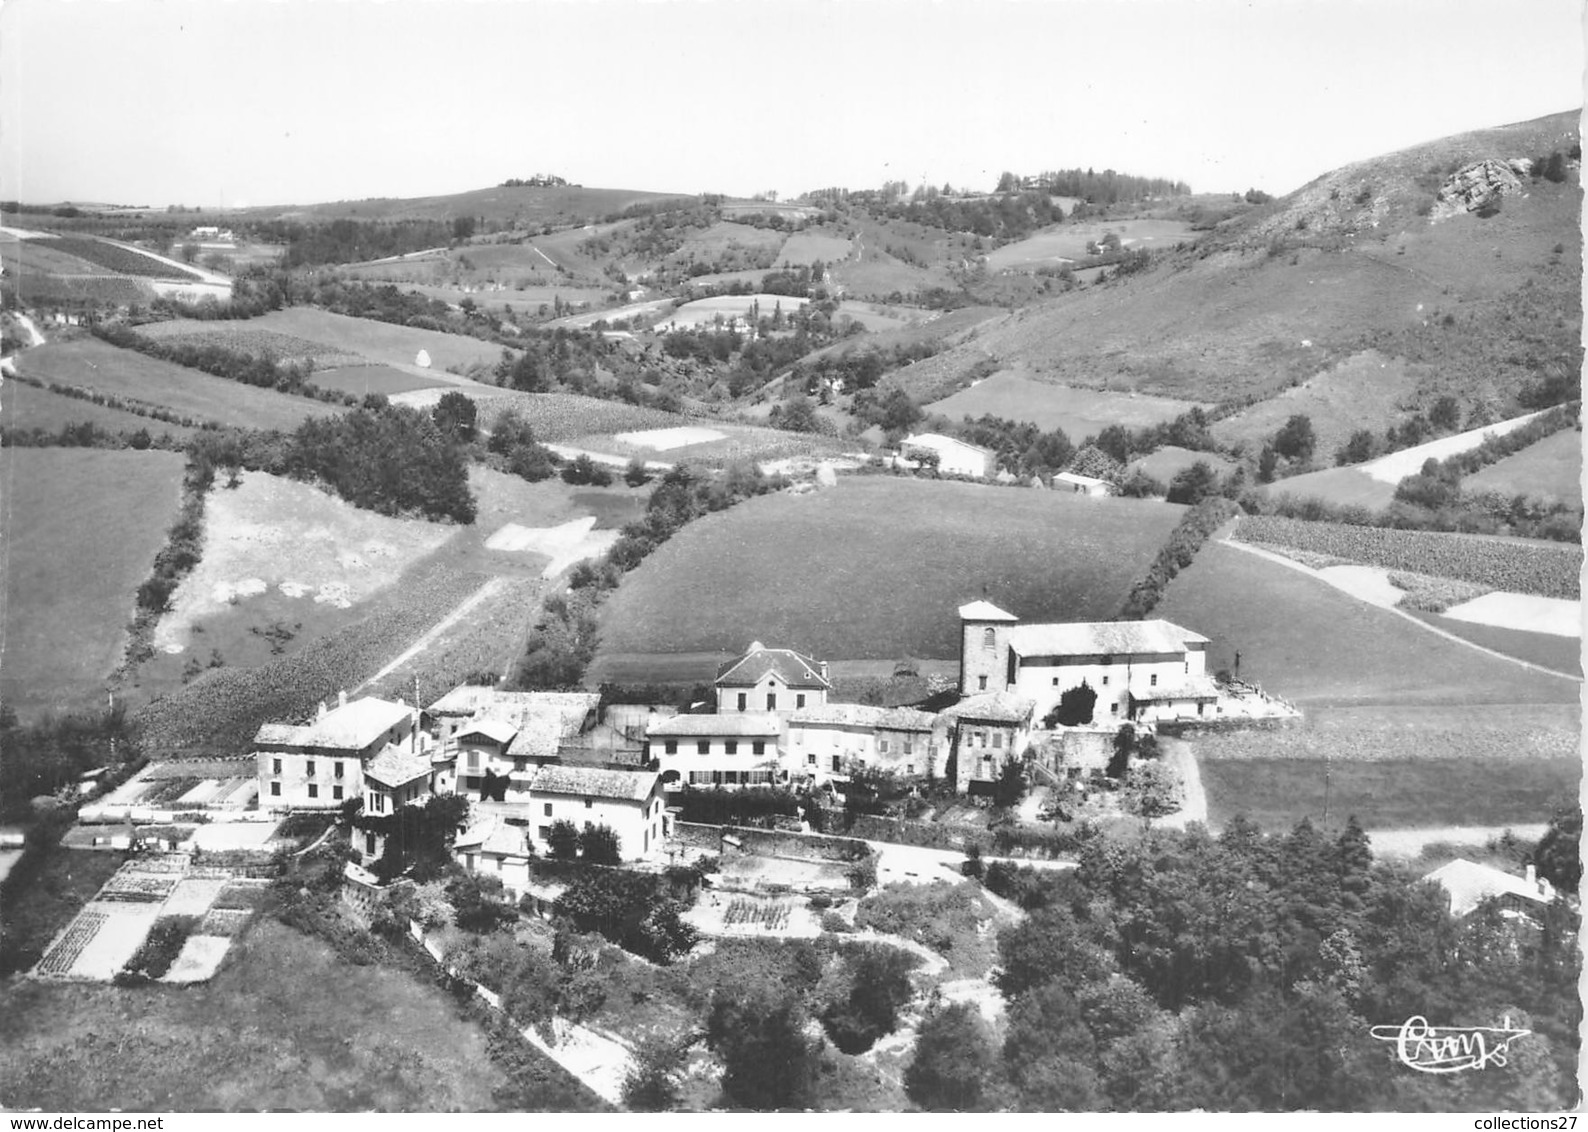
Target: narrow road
(1409, 843)
(461, 611)
(1181, 758)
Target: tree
(1124, 747)
(462, 227)
(1151, 791)
(1049, 945)
(1011, 784)
(652, 1081)
(563, 840)
(636, 474)
(954, 1059)
(1193, 484)
(1445, 414)
(1267, 464)
(1075, 706)
(879, 987)
(1357, 449)
(1295, 439)
(797, 414)
(599, 845)
(456, 416)
(1556, 858)
(759, 1035)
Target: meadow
(25, 406)
(380, 341)
(378, 1039)
(1562, 654)
(88, 363)
(1170, 460)
(876, 567)
(1066, 243)
(563, 417)
(1549, 469)
(1340, 487)
(739, 442)
(360, 380)
(1048, 405)
(83, 527)
(248, 338)
(808, 247)
(1303, 639)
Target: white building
(1141, 670)
(780, 681)
(320, 765)
(732, 749)
(1081, 485)
(954, 457)
(1470, 884)
(826, 741)
(629, 802)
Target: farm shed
(954, 457)
(1082, 485)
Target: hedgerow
(1177, 553)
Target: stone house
(824, 742)
(320, 765)
(985, 731)
(780, 681)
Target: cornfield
(771, 917)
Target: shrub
(563, 840)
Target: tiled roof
(535, 722)
(492, 835)
(1076, 477)
(996, 707)
(351, 727)
(627, 785)
(744, 723)
(792, 668)
(396, 767)
(1101, 638)
(984, 611)
(484, 700)
(864, 715)
(1470, 884)
(1190, 688)
(937, 442)
(497, 730)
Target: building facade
(730, 749)
(320, 765)
(779, 681)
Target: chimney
(1532, 877)
(319, 711)
(824, 671)
(341, 698)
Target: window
(671, 746)
(909, 745)
(336, 792)
(309, 768)
(882, 746)
(989, 639)
(1055, 681)
(369, 845)
(744, 701)
(548, 809)
(336, 769)
(998, 740)
(838, 764)
(587, 804)
(474, 760)
(1105, 680)
(468, 859)
(981, 683)
(1113, 708)
(314, 791)
(799, 700)
(545, 833)
(1200, 707)
(703, 747)
(1154, 680)
(771, 701)
(275, 766)
(1188, 666)
(275, 789)
(732, 746)
(758, 747)
(910, 769)
(810, 759)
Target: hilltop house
(954, 457)
(732, 749)
(320, 765)
(771, 680)
(827, 740)
(1145, 671)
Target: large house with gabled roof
(321, 764)
(780, 681)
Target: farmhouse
(629, 802)
(1140, 670)
(1081, 485)
(827, 740)
(320, 765)
(1469, 884)
(954, 457)
(732, 749)
(771, 680)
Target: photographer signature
(1448, 1049)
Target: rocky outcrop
(1478, 187)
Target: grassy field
(1305, 640)
(562, 417)
(38, 907)
(1342, 487)
(380, 341)
(89, 363)
(28, 406)
(1079, 412)
(249, 338)
(359, 380)
(808, 247)
(377, 1039)
(82, 530)
(739, 442)
(1387, 794)
(1551, 469)
(701, 312)
(1164, 464)
(1563, 654)
(1066, 243)
(877, 566)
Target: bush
(833, 922)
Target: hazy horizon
(271, 103)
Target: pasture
(1303, 639)
(514, 298)
(88, 363)
(810, 247)
(563, 417)
(1064, 244)
(1550, 469)
(360, 380)
(1549, 650)
(380, 341)
(1048, 405)
(83, 527)
(1341, 487)
(732, 442)
(27, 406)
(248, 338)
(704, 312)
(1169, 461)
(875, 568)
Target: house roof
(756, 724)
(1470, 884)
(494, 836)
(995, 707)
(624, 785)
(533, 724)
(863, 715)
(984, 611)
(486, 701)
(938, 442)
(351, 727)
(496, 730)
(1102, 638)
(396, 767)
(1190, 688)
(1084, 481)
(793, 669)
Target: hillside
(527, 204)
(1364, 258)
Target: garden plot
(199, 960)
(733, 914)
(275, 534)
(1528, 612)
(193, 896)
(99, 941)
(572, 542)
(667, 439)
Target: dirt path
(1409, 843)
(1180, 757)
(486, 591)
(1423, 625)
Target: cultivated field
(380, 341)
(1079, 412)
(703, 312)
(513, 298)
(1342, 487)
(1066, 243)
(1550, 469)
(82, 530)
(248, 338)
(730, 442)
(88, 363)
(118, 258)
(564, 416)
(363, 379)
(1303, 639)
(877, 566)
(24, 406)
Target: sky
(256, 102)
